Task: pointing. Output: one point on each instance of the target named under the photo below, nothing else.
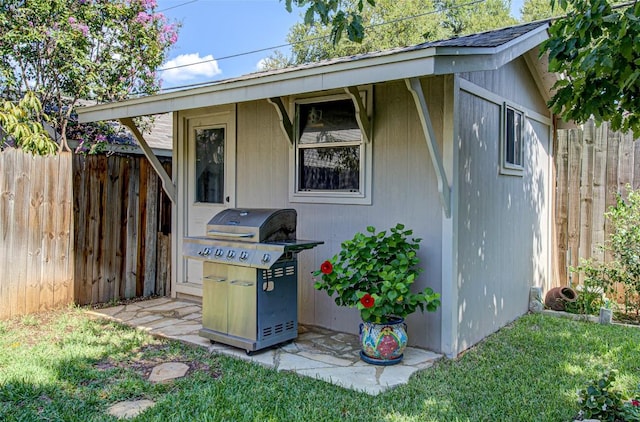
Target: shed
(452, 138)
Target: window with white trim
(332, 161)
(512, 141)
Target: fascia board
(318, 78)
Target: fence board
(586, 194)
(6, 221)
(575, 154)
(18, 269)
(151, 234)
(35, 237)
(47, 292)
(625, 172)
(132, 230)
(64, 238)
(562, 205)
(599, 190)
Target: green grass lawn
(64, 366)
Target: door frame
(214, 116)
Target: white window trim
(363, 197)
(509, 169)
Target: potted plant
(374, 272)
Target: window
(209, 146)
(512, 142)
(332, 161)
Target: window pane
(330, 168)
(332, 121)
(517, 139)
(513, 137)
(210, 165)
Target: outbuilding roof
(483, 51)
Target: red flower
(635, 403)
(326, 267)
(367, 300)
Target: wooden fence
(36, 232)
(123, 224)
(593, 164)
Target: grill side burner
(250, 282)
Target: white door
(209, 182)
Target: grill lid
(254, 225)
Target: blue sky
(215, 29)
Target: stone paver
(316, 352)
(168, 371)
(129, 409)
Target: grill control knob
(244, 255)
(219, 252)
(266, 258)
(231, 254)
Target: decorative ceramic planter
(383, 344)
(557, 297)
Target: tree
(464, 17)
(533, 10)
(391, 24)
(595, 47)
(342, 19)
(65, 50)
(311, 42)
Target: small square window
(512, 161)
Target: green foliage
(462, 20)
(392, 24)
(624, 246)
(332, 12)
(601, 400)
(21, 124)
(94, 49)
(374, 272)
(595, 47)
(533, 10)
(591, 298)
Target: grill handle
(225, 234)
(242, 283)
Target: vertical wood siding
(36, 232)
(122, 219)
(593, 165)
(404, 190)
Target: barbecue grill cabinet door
(242, 311)
(214, 300)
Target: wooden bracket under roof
(285, 121)
(415, 88)
(167, 183)
(364, 122)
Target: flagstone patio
(316, 352)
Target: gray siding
(502, 220)
(404, 190)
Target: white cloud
(182, 68)
(262, 64)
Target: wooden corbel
(361, 112)
(285, 121)
(167, 184)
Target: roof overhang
(398, 64)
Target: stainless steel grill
(250, 276)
